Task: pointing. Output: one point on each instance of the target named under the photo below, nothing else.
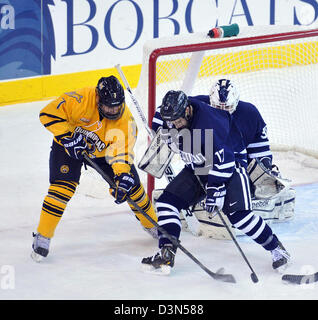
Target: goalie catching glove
(75, 145)
(124, 183)
(266, 179)
(215, 198)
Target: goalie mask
(174, 109)
(224, 95)
(111, 98)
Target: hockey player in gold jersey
(96, 121)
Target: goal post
(274, 67)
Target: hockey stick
(300, 278)
(253, 274)
(215, 275)
(192, 221)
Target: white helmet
(224, 95)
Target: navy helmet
(174, 105)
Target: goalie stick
(300, 278)
(192, 221)
(215, 275)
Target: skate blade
(283, 268)
(36, 257)
(162, 271)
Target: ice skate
(162, 262)
(40, 247)
(280, 257)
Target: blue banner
(42, 37)
(25, 50)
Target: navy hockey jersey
(237, 140)
(206, 147)
(252, 127)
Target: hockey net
(274, 67)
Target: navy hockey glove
(215, 198)
(75, 145)
(124, 183)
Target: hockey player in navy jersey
(247, 120)
(225, 96)
(209, 164)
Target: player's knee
(62, 190)
(239, 218)
(170, 199)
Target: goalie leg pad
(212, 226)
(277, 209)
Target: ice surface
(98, 246)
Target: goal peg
(224, 31)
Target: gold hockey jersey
(77, 111)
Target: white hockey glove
(169, 136)
(215, 198)
(165, 136)
(157, 156)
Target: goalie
(273, 198)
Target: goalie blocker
(157, 156)
(274, 201)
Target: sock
(139, 196)
(54, 204)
